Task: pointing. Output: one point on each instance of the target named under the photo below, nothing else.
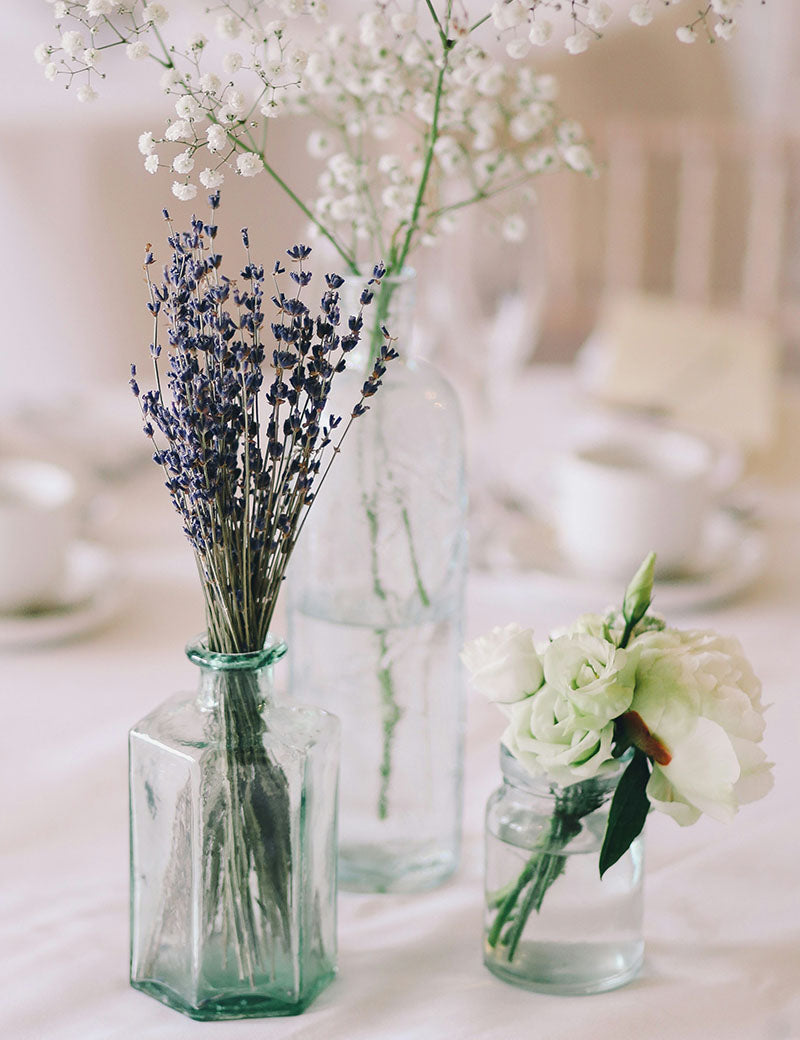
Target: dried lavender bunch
(247, 440)
(246, 446)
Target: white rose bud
(504, 665)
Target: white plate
(731, 558)
(89, 596)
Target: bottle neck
(248, 676)
(392, 308)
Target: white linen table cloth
(722, 921)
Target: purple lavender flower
(239, 429)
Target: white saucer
(731, 558)
(90, 595)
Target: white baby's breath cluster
(526, 24)
(411, 113)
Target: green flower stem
(392, 714)
(516, 903)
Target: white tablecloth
(722, 921)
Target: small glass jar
(233, 844)
(551, 923)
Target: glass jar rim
(198, 653)
(543, 785)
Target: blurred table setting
(722, 923)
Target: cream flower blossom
(698, 697)
(504, 665)
(184, 192)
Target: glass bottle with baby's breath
(376, 615)
(233, 793)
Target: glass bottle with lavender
(376, 618)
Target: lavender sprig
(247, 435)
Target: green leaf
(629, 809)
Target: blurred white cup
(38, 522)
(618, 498)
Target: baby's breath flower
(169, 79)
(248, 164)
(72, 42)
(404, 22)
(508, 14)
(211, 179)
(146, 143)
(155, 13)
(216, 137)
(137, 51)
(514, 228)
(318, 144)
(518, 48)
(95, 8)
(183, 162)
(578, 42)
(184, 192)
(232, 62)
(641, 13)
(186, 107)
(42, 52)
(50, 71)
(196, 42)
(541, 32)
(229, 25)
(598, 14)
(178, 130)
(686, 34)
(151, 163)
(86, 93)
(578, 158)
(209, 83)
(725, 30)
(91, 57)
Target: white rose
(547, 735)
(698, 697)
(504, 665)
(593, 675)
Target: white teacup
(619, 498)
(38, 521)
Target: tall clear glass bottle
(376, 594)
(551, 923)
(233, 845)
